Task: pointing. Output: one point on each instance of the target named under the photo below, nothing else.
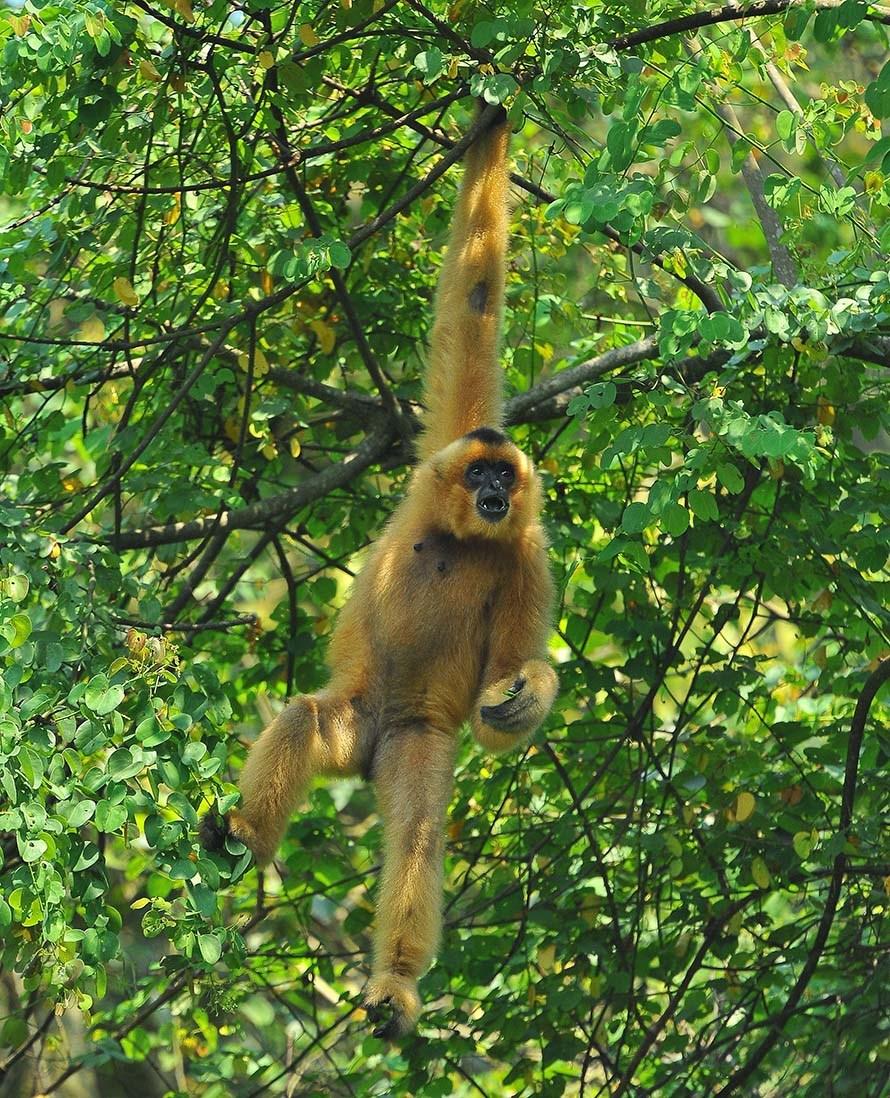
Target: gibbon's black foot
(386, 1020)
(213, 832)
(508, 715)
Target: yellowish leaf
(825, 412)
(269, 452)
(791, 794)
(20, 24)
(452, 68)
(92, 330)
(260, 362)
(308, 36)
(123, 288)
(138, 905)
(266, 60)
(172, 214)
(760, 874)
(295, 448)
(326, 336)
(546, 957)
(184, 7)
(148, 72)
(742, 807)
(803, 844)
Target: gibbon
(448, 621)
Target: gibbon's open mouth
(492, 507)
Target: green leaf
(675, 519)
(110, 817)
(122, 764)
(429, 63)
(31, 850)
(636, 518)
(210, 947)
(17, 630)
(79, 812)
(803, 844)
(703, 505)
(784, 124)
(341, 256)
(730, 478)
(15, 587)
(760, 874)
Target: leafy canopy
(221, 226)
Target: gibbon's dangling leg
(464, 380)
(413, 774)
(313, 734)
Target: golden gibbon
(448, 621)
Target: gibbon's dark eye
(476, 471)
(506, 472)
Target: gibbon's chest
(437, 590)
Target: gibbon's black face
(491, 482)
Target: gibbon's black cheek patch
(213, 832)
(479, 297)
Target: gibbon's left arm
(519, 685)
(463, 388)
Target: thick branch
(578, 375)
(727, 14)
(259, 514)
(784, 267)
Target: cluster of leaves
(221, 225)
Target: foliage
(221, 226)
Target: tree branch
(259, 514)
(727, 14)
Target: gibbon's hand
(393, 1005)
(213, 832)
(511, 709)
(508, 715)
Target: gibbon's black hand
(213, 832)
(507, 716)
(385, 1019)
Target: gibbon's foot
(393, 1005)
(213, 831)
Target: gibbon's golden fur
(448, 621)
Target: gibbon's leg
(413, 773)
(313, 734)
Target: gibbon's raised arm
(464, 381)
